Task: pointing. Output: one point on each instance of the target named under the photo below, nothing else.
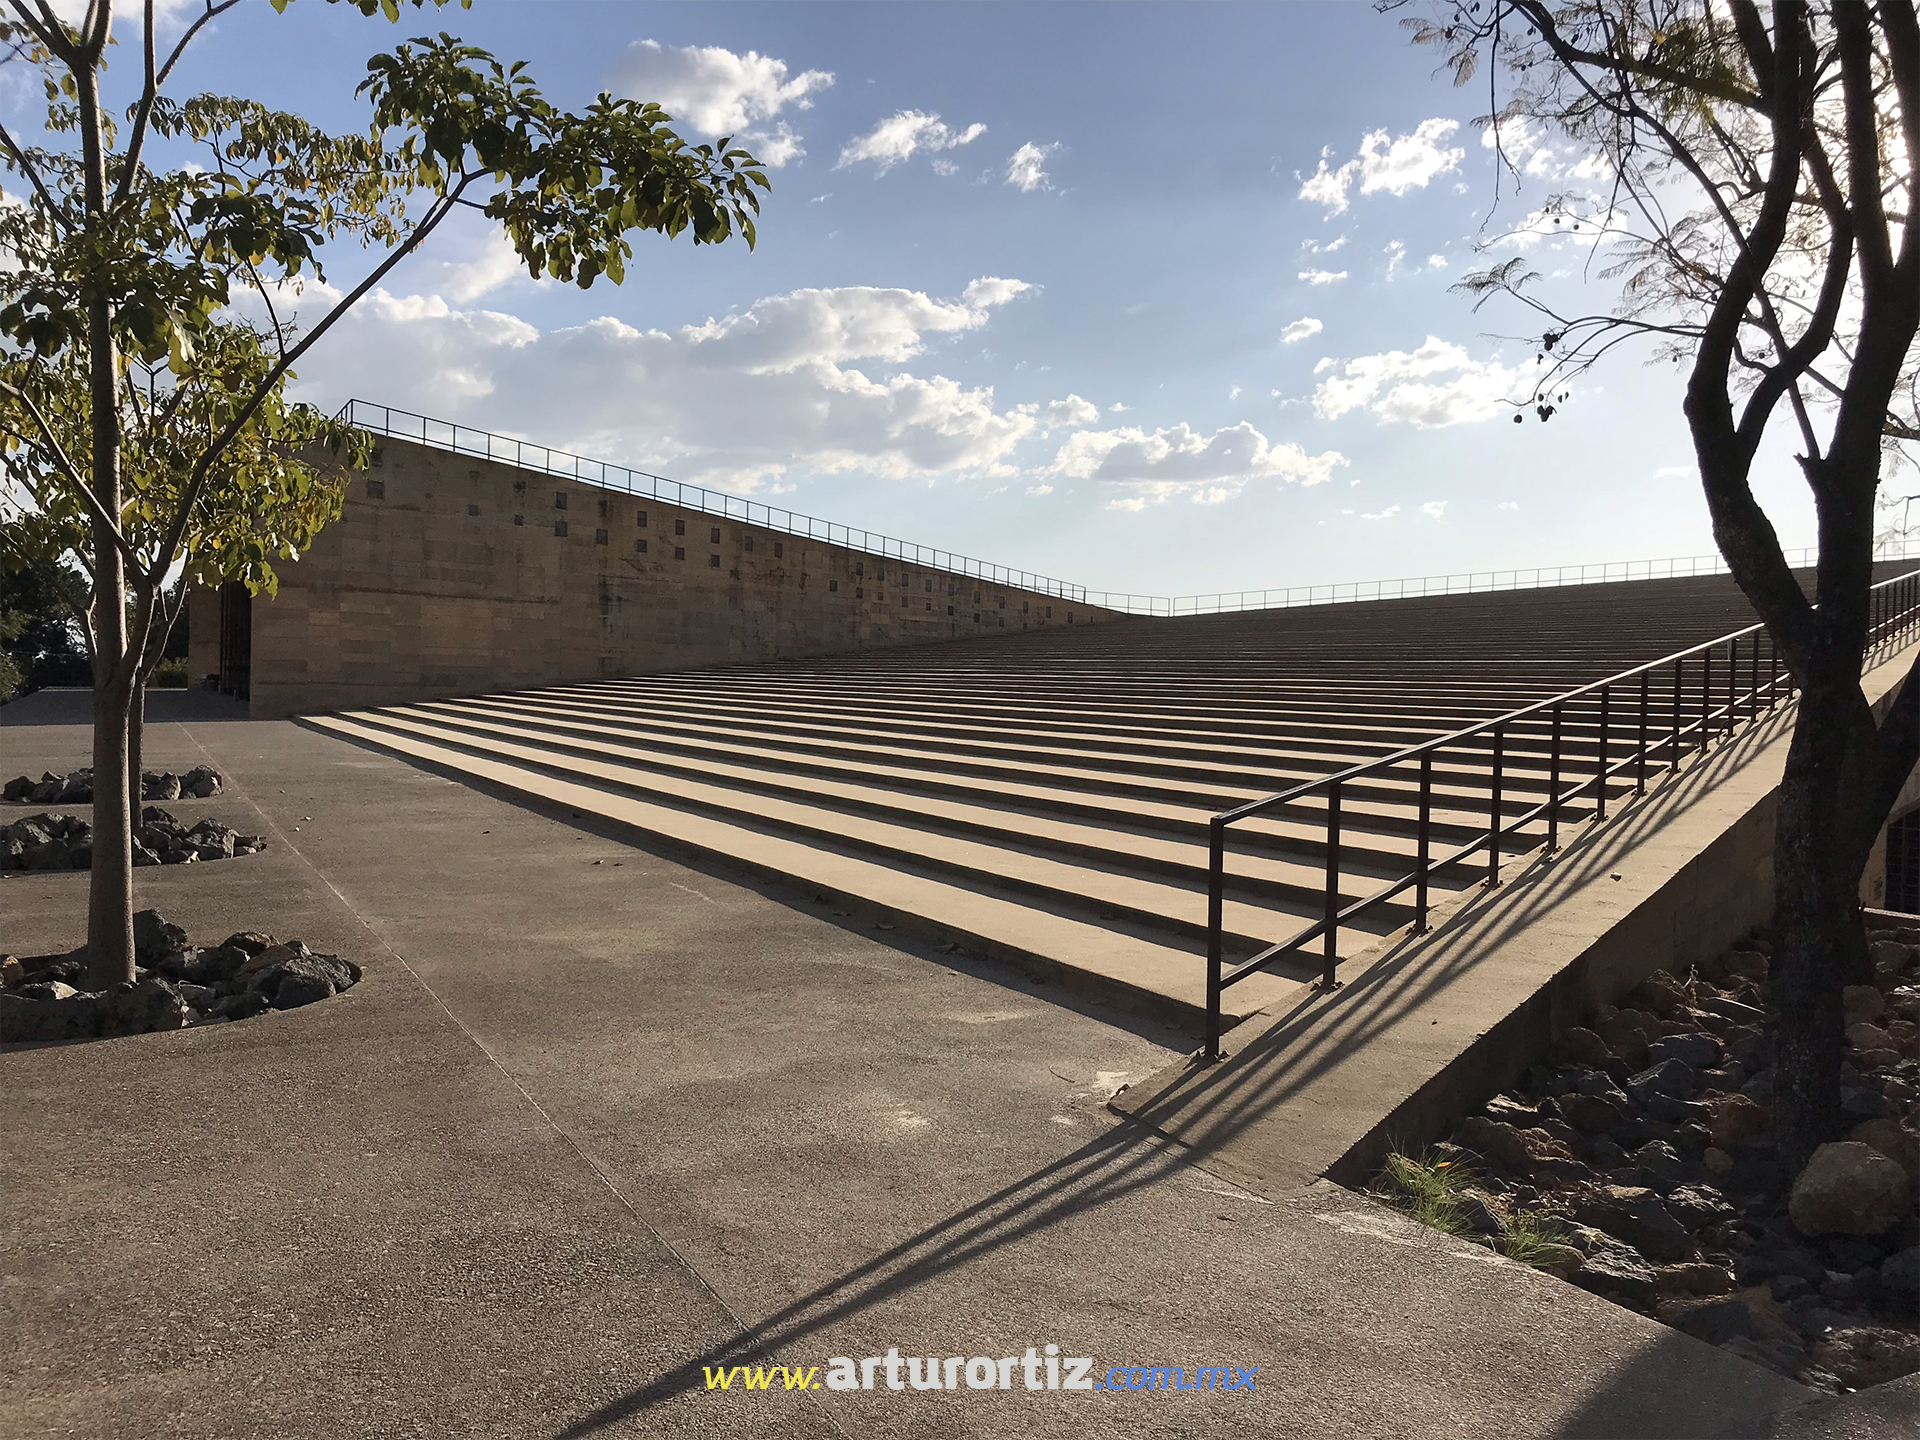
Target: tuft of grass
(1426, 1189)
(1527, 1232)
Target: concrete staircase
(1042, 798)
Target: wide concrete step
(1152, 882)
(1265, 766)
(1381, 829)
(1094, 955)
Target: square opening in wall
(679, 527)
(859, 592)
(779, 550)
(599, 537)
(376, 489)
(749, 544)
(1050, 616)
(519, 519)
(640, 546)
(835, 585)
(643, 519)
(713, 563)
(559, 499)
(473, 510)
(560, 528)
(714, 537)
(679, 552)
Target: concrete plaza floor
(596, 1121)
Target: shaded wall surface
(450, 575)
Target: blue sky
(1034, 284)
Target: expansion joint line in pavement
(740, 1326)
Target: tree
(116, 257)
(1762, 168)
(39, 641)
(266, 496)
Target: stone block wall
(450, 575)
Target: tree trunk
(115, 671)
(1820, 941)
(136, 736)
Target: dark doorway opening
(1903, 864)
(236, 639)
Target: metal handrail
(1894, 611)
(716, 502)
(1466, 582)
(528, 456)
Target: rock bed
(175, 985)
(200, 783)
(65, 842)
(1643, 1150)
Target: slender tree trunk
(1820, 943)
(136, 735)
(115, 670)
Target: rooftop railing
(1468, 582)
(1607, 735)
(466, 440)
(524, 454)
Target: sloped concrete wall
(452, 575)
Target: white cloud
(1310, 248)
(1396, 386)
(717, 92)
(1386, 514)
(1508, 505)
(1528, 149)
(1327, 186)
(1178, 461)
(1386, 162)
(1436, 262)
(1434, 509)
(1325, 362)
(1303, 328)
(1062, 414)
(1027, 168)
(1322, 277)
(900, 135)
(1396, 253)
(464, 281)
(1233, 393)
(741, 401)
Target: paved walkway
(596, 1120)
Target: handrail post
(1733, 683)
(1640, 756)
(1600, 779)
(1753, 680)
(1493, 828)
(1706, 697)
(1216, 881)
(1679, 666)
(1422, 842)
(1553, 787)
(1330, 950)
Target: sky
(1146, 297)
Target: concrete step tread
(1029, 787)
(1001, 858)
(1155, 976)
